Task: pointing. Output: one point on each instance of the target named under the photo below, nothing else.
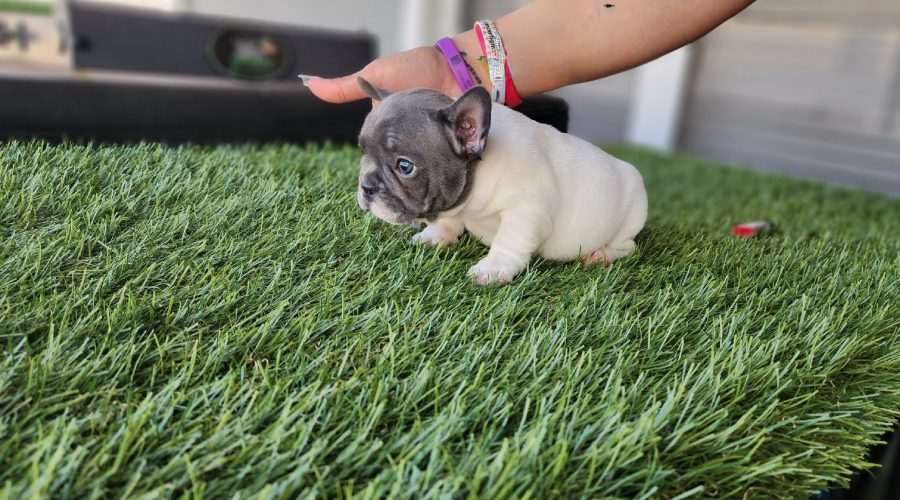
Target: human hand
(419, 67)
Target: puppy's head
(418, 149)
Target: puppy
(520, 187)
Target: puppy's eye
(405, 166)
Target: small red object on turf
(749, 229)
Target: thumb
(336, 90)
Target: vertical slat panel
(804, 90)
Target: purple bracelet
(455, 60)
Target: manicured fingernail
(306, 79)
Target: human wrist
(459, 67)
(525, 81)
(468, 47)
(503, 89)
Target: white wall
(655, 114)
(422, 22)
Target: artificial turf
(225, 321)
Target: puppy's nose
(368, 187)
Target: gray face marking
(441, 138)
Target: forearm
(553, 43)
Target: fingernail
(306, 79)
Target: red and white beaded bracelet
(503, 90)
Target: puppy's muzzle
(369, 188)
(365, 195)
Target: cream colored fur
(541, 192)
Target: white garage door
(810, 87)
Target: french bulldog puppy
(520, 187)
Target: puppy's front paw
(494, 269)
(435, 236)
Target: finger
(337, 90)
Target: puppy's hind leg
(609, 254)
(615, 251)
(623, 244)
(595, 257)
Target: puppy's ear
(372, 91)
(467, 121)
